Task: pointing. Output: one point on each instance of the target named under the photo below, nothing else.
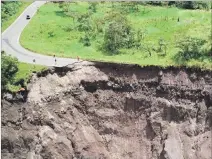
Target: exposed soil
(111, 111)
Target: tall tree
(118, 32)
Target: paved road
(11, 45)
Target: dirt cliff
(111, 111)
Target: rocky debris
(173, 145)
(15, 97)
(8, 97)
(111, 111)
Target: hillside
(148, 35)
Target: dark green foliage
(20, 82)
(183, 4)
(51, 34)
(118, 33)
(92, 6)
(191, 48)
(126, 7)
(64, 6)
(9, 67)
(115, 33)
(157, 3)
(162, 46)
(8, 9)
(115, 27)
(84, 22)
(148, 47)
(99, 23)
(129, 7)
(193, 5)
(85, 40)
(68, 11)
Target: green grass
(195, 23)
(24, 72)
(7, 23)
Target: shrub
(191, 48)
(85, 40)
(118, 33)
(9, 8)
(9, 67)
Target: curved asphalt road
(11, 45)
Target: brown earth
(111, 111)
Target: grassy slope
(50, 18)
(26, 69)
(24, 72)
(7, 23)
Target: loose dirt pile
(111, 111)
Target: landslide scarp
(111, 111)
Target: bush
(92, 6)
(51, 34)
(9, 67)
(85, 40)
(9, 8)
(193, 5)
(183, 4)
(191, 48)
(118, 33)
(84, 23)
(129, 7)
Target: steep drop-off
(111, 111)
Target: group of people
(56, 59)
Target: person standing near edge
(55, 61)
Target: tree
(118, 33)
(84, 22)
(9, 8)
(148, 47)
(9, 67)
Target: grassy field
(24, 72)
(7, 23)
(151, 19)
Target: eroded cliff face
(111, 111)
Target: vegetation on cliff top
(15, 74)
(127, 32)
(10, 12)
